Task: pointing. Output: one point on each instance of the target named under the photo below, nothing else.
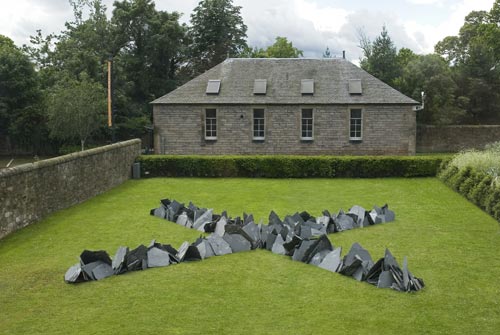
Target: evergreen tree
(380, 58)
(217, 32)
(22, 117)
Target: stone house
(285, 106)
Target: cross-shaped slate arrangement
(300, 236)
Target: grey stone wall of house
(30, 192)
(387, 130)
(433, 139)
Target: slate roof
(284, 75)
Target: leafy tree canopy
(281, 48)
(21, 112)
(217, 31)
(76, 109)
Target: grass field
(450, 243)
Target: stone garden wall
(455, 138)
(30, 192)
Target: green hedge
(290, 166)
(477, 186)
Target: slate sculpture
(299, 236)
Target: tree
(431, 74)
(380, 57)
(281, 48)
(76, 109)
(147, 47)
(474, 56)
(21, 112)
(83, 47)
(151, 48)
(217, 31)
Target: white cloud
(428, 35)
(426, 2)
(310, 24)
(323, 18)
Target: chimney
(343, 54)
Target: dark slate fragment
(372, 276)
(253, 232)
(389, 261)
(159, 212)
(305, 216)
(247, 218)
(343, 222)
(278, 246)
(183, 220)
(291, 245)
(385, 280)
(137, 259)
(74, 274)
(332, 261)
(274, 219)
(165, 202)
(357, 250)
(119, 266)
(321, 244)
(357, 262)
(318, 257)
(323, 222)
(220, 226)
(357, 213)
(192, 254)
(209, 251)
(219, 246)
(406, 279)
(88, 256)
(271, 237)
(305, 232)
(103, 270)
(88, 269)
(297, 218)
(168, 248)
(264, 232)
(238, 229)
(237, 242)
(352, 268)
(158, 257)
(201, 220)
(300, 253)
(389, 215)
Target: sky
(311, 25)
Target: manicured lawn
(450, 243)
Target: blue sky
(310, 24)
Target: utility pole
(111, 114)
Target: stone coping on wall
(460, 126)
(66, 158)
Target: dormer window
(260, 86)
(213, 86)
(307, 86)
(355, 86)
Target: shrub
(289, 166)
(457, 179)
(480, 191)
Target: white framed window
(210, 124)
(259, 124)
(306, 124)
(356, 124)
